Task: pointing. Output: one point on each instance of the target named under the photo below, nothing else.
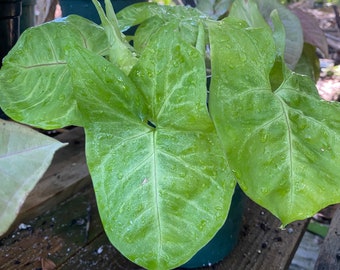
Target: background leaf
(294, 34)
(35, 72)
(281, 143)
(249, 12)
(214, 8)
(312, 33)
(292, 25)
(141, 14)
(25, 155)
(309, 63)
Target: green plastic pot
(225, 240)
(86, 9)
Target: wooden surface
(69, 235)
(329, 256)
(263, 245)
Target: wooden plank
(70, 241)
(329, 256)
(68, 167)
(263, 245)
(54, 236)
(67, 174)
(99, 255)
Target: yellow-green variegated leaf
(282, 142)
(39, 80)
(158, 168)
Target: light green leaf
(293, 29)
(25, 155)
(35, 73)
(282, 143)
(309, 63)
(151, 16)
(157, 169)
(141, 12)
(251, 11)
(214, 8)
(279, 34)
(137, 13)
(145, 31)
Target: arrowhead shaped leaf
(25, 155)
(37, 64)
(157, 169)
(282, 143)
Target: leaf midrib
(290, 152)
(156, 193)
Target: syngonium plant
(164, 155)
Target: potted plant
(164, 155)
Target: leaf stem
(121, 53)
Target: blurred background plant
(314, 2)
(320, 22)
